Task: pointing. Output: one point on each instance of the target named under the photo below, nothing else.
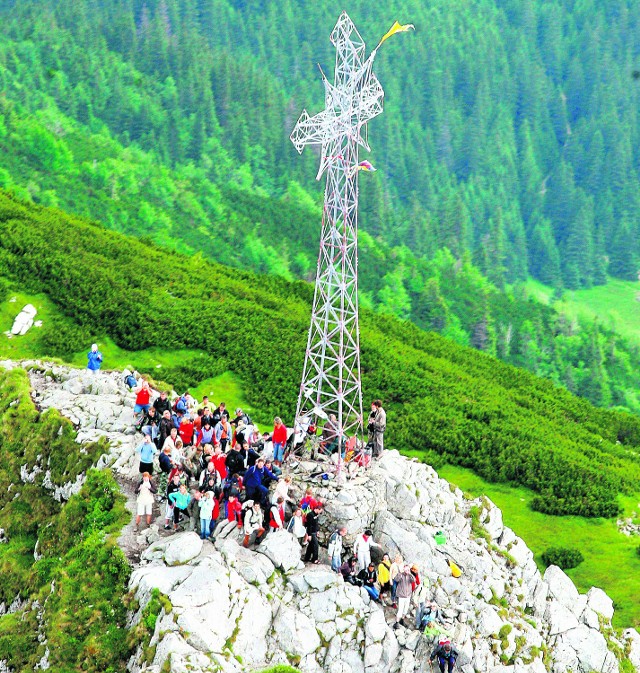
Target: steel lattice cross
(331, 382)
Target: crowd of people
(218, 473)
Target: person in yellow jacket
(384, 575)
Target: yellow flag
(396, 28)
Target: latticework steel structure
(331, 381)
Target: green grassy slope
(616, 304)
(452, 402)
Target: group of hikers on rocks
(216, 474)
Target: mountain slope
(443, 399)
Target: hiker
(282, 490)
(172, 487)
(208, 473)
(446, 654)
(253, 520)
(147, 451)
(164, 428)
(279, 439)
(129, 379)
(348, 571)
(396, 566)
(143, 393)
(296, 527)
(222, 433)
(220, 461)
(253, 482)
(186, 430)
(276, 514)
(369, 577)
(313, 527)
(235, 461)
(207, 504)
(171, 440)
(220, 413)
(308, 502)
(335, 548)
(193, 511)
(269, 465)
(384, 574)
(180, 500)
(150, 424)
(362, 549)
(330, 435)
(162, 403)
(205, 436)
(94, 357)
(403, 594)
(376, 426)
(427, 614)
(144, 502)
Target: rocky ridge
(233, 609)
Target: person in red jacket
(276, 514)
(279, 439)
(219, 459)
(143, 399)
(186, 430)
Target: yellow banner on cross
(396, 28)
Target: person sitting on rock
(170, 440)
(180, 500)
(164, 428)
(94, 357)
(348, 571)
(384, 575)
(313, 526)
(253, 522)
(144, 502)
(147, 451)
(276, 514)
(274, 469)
(427, 614)
(446, 654)
(362, 549)
(232, 485)
(143, 394)
(335, 548)
(253, 482)
(403, 593)
(150, 424)
(296, 527)
(369, 577)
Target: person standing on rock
(335, 548)
(296, 527)
(377, 425)
(162, 403)
(276, 514)
(147, 451)
(144, 502)
(396, 566)
(95, 358)
(143, 395)
(362, 549)
(180, 500)
(446, 654)
(253, 482)
(404, 589)
(279, 439)
(207, 504)
(313, 526)
(384, 575)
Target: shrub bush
(562, 557)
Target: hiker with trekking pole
(446, 654)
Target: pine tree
(622, 261)
(544, 260)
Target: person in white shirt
(362, 549)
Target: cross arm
(310, 130)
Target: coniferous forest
(508, 150)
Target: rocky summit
(233, 609)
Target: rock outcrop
(234, 609)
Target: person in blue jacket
(95, 358)
(253, 482)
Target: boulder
(590, 649)
(488, 622)
(559, 618)
(376, 627)
(254, 568)
(297, 633)
(599, 602)
(282, 549)
(493, 521)
(561, 587)
(182, 547)
(24, 320)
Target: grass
(615, 304)
(611, 561)
(227, 387)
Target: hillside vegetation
(169, 120)
(84, 619)
(448, 402)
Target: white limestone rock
(282, 549)
(599, 602)
(296, 632)
(24, 320)
(562, 588)
(182, 548)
